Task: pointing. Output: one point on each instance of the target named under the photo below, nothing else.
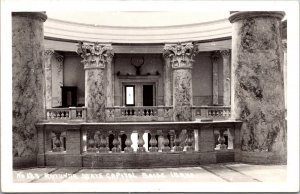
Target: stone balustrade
(138, 144)
(139, 113)
(211, 112)
(66, 114)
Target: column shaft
(167, 82)
(109, 81)
(215, 77)
(258, 92)
(28, 84)
(226, 77)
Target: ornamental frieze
(181, 55)
(95, 55)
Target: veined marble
(95, 94)
(28, 80)
(258, 92)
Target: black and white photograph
(154, 96)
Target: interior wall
(152, 64)
(74, 75)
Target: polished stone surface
(258, 89)
(182, 95)
(228, 172)
(181, 58)
(96, 58)
(95, 94)
(27, 81)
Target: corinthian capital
(95, 55)
(181, 54)
(225, 53)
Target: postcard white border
(292, 13)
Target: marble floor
(225, 172)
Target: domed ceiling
(138, 18)
(137, 27)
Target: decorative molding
(48, 52)
(215, 56)
(181, 54)
(225, 53)
(95, 55)
(241, 15)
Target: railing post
(190, 140)
(177, 142)
(128, 143)
(91, 143)
(116, 143)
(221, 140)
(166, 142)
(153, 143)
(141, 143)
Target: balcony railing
(66, 114)
(211, 112)
(137, 144)
(139, 113)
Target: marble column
(48, 77)
(109, 81)
(257, 82)
(284, 46)
(167, 80)
(28, 84)
(226, 77)
(181, 57)
(215, 77)
(95, 56)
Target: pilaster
(226, 77)
(215, 76)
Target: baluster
(48, 115)
(67, 114)
(151, 112)
(128, 143)
(97, 140)
(141, 143)
(125, 112)
(190, 141)
(133, 112)
(177, 142)
(116, 143)
(209, 113)
(153, 143)
(221, 140)
(166, 142)
(57, 142)
(91, 144)
(103, 143)
(171, 133)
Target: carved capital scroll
(225, 53)
(181, 55)
(95, 55)
(215, 56)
